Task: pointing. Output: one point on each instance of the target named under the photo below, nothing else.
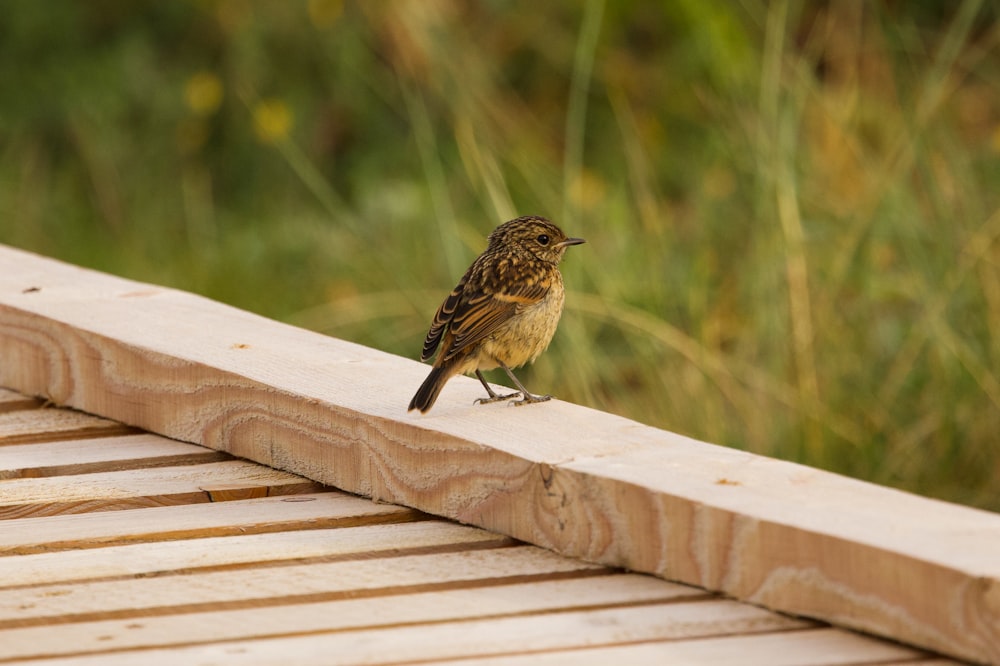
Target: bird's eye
(543, 239)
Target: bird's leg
(493, 396)
(528, 396)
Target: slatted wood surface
(123, 547)
(577, 481)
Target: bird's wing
(443, 317)
(479, 312)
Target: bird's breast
(523, 337)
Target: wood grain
(99, 454)
(182, 556)
(820, 647)
(608, 636)
(127, 489)
(344, 614)
(42, 425)
(582, 482)
(191, 521)
(279, 585)
(13, 401)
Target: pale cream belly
(523, 338)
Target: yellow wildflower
(203, 93)
(272, 120)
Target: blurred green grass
(793, 208)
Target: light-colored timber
(232, 551)
(574, 480)
(12, 400)
(324, 577)
(99, 454)
(105, 491)
(196, 520)
(16, 428)
(392, 610)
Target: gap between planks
(723, 635)
(807, 647)
(13, 401)
(100, 454)
(188, 521)
(45, 424)
(277, 586)
(158, 486)
(390, 611)
(228, 553)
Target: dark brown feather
(478, 315)
(443, 317)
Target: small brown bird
(503, 312)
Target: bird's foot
(495, 398)
(530, 398)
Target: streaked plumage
(503, 312)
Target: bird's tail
(429, 390)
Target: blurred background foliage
(793, 208)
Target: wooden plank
(12, 401)
(930, 661)
(231, 551)
(45, 425)
(159, 486)
(582, 482)
(189, 521)
(532, 635)
(279, 585)
(345, 614)
(816, 647)
(100, 454)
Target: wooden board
(18, 426)
(277, 586)
(321, 574)
(197, 520)
(107, 491)
(828, 647)
(233, 551)
(12, 400)
(581, 482)
(655, 627)
(80, 456)
(515, 599)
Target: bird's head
(535, 235)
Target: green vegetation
(793, 208)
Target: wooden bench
(203, 564)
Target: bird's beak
(570, 241)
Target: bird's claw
(530, 398)
(495, 398)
